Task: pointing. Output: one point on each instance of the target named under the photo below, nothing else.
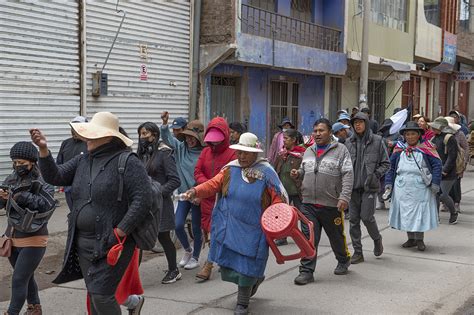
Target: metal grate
(376, 99)
(223, 97)
(284, 103)
(268, 24)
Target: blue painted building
(263, 60)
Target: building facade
(64, 58)
(263, 60)
(391, 51)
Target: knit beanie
(239, 127)
(24, 150)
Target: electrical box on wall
(99, 83)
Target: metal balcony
(268, 24)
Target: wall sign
(143, 72)
(464, 76)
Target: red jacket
(209, 164)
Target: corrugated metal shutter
(39, 72)
(164, 27)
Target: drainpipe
(195, 59)
(82, 58)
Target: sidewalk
(402, 281)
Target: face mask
(144, 143)
(284, 129)
(22, 170)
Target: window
(465, 17)
(335, 86)
(268, 5)
(432, 12)
(389, 13)
(376, 99)
(284, 103)
(411, 94)
(223, 97)
(301, 10)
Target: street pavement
(402, 281)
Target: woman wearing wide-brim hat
(414, 179)
(97, 217)
(187, 147)
(245, 188)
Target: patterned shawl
(425, 147)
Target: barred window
(432, 12)
(389, 13)
(268, 5)
(301, 10)
(465, 15)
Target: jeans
(446, 186)
(181, 214)
(24, 261)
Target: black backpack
(146, 233)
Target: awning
(397, 66)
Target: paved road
(403, 281)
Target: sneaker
(378, 247)
(186, 258)
(138, 308)
(241, 309)
(453, 218)
(342, 268)
(171, 276)
(457, 207)
(281, 242)
(409, 243)
(304, 278)
(420, 245)
(357, 258)
(192, 264)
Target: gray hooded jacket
(369, 157)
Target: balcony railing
(268, 24)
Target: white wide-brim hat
(248, 142)
(103, 124)
(452, 124)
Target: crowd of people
(217, 176)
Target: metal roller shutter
(39, 72)
(164, 27)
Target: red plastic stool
(281, 220)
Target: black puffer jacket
(95, 184)
(161, 166)
(27, 199)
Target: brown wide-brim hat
(103, 124)
(195, 129)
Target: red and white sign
(143, 72)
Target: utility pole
(364, 62)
